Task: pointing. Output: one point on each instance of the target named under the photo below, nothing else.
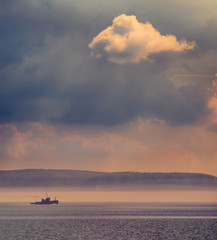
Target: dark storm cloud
(47, 73)
(213, 128)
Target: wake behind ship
(46, 201)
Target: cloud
(212, 104)
(128, 40)
(47, 73)
(139, 146)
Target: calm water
(108, 221)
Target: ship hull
(47, 203)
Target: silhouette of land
(104, 180)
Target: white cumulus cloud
(128, 40)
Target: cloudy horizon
(115, 86)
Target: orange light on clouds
(143, 146)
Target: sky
(109, 85)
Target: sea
(108, 221)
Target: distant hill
(102, 180)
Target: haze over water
(72, 195)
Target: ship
(46, 201)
